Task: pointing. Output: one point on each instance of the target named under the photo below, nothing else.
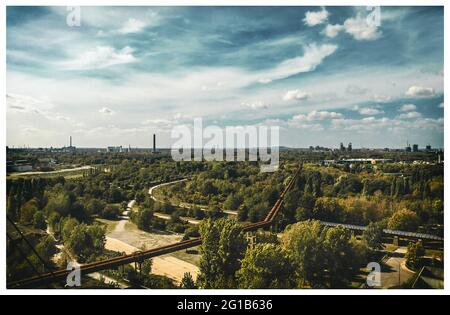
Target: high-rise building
(428, 148)
(408, 147)
(154, 142)
(415, 148)
(341, 147)
(349, 148)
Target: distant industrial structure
(349, 148)
(408, 147)
(117, 149)
(415, 148)
(154, 143)
(70, 148)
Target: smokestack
(154, 142)
(70, 141)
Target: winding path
(183, 204)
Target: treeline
(410, 198)
(67, 208)
(239, 187)
(308, 255)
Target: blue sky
(323, 74)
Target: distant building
(408, 148)
(154, 143)
(415, 148)
(428, 148)
(70, 148)
(349, 148)
(341, 147)
(118, 149)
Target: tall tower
(70, 141)
(154, 143)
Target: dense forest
(403, 197)
(57, 210)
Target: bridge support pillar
(396, 241)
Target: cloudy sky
(323, 74)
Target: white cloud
(101, 57)
(295, 95)
(368, 111)
(360, 29)
(420, 91)
(315, 116)
(106, 111)
(333, 30)
(31, 105)
(313, 18)
(377, 125)
(408, 108)
(410, 115)
(312, 57)
(132, 26)
(255, 105)
(356, 27)
(381, 98)
(355, 90)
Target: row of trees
(321, 193)
(308, 255)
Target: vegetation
(57, 210)
(223, 246)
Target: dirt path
(168, 266)
(183, 204)
(81, 168)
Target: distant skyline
(323, 74)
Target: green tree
(305, 208)
(342, 257)
(46, 247)
(404, 220)
(242, 213)
(28, 210)
(373, 236)
(110, 212)
(59, 202)
(146, 266)
(223, 245)
(265, 267)
(67, 226)
(95, 206)
(414, 253)
(328, 209)
(86, 242)
(187, 282)
(303, 242)
(39, 220)
(143, 219)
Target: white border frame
(236, 292)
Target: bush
(110, 212)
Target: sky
(324, 75)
